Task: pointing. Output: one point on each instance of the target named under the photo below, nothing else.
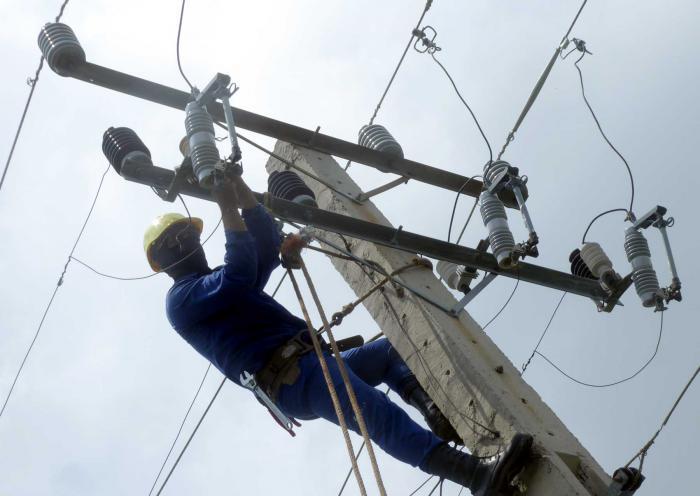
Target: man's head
(172, 245)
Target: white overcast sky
(108, 382)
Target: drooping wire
(585, 233)
(602, 133)
(59, 283)
(179, 431)
(512, 293)
(582, 383)
(464, 102)
(201, 419)
(177, 47)
(539, 341)
(32, 83)
(421, 486)
(642, 453)
(454, 209)
(153, 274)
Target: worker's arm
(196, 300)
(263, 229)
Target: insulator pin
(643, 274)
(289, 186)
(501, 239)
(378, 138)
(60, 48)
(120, 144)
(202, 145)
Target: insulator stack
(60, 48)
(643, 274)
(451, 273)
(289, 186)
(599, 263)
(378, 138)
(578, 266)
(120, 143)
(493, 169)
(202, 145)
(501, 239)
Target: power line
(583, 238)
(177, 46)
(454, 209)
(59, 283)
(201, 419)
(179, 431)
(582, 383)
(539, 341)
(428, 4)
(32, 83)
(540, 83)
(512, 293)
(643, 452)
(585, 99)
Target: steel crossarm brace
(158, 177)
(171, 97)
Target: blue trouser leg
(388, 425)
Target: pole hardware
(625, 482)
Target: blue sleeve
(194, 301)
(267, 240)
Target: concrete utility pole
(470, 379)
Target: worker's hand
(291, 251)
(225, 192)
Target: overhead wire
(177, 46)
(615, 383)
(539, 341)
(540, 83)
(32, 83)
(585, 233)
(179, 431)
(602, 133)
(59, 283)
(642, 453)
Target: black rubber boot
(482, 479)
(415, 395)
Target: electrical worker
(227, 317)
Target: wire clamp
(427, 40)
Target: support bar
(171, 97)
(388, 236)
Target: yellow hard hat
(159, 226)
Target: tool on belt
(283, 369)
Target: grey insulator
(451, 273)
(202, 145)
(378, 138)
(501, 239)
(493, 169)
(643, 274)
(60, 48)
(599, 263)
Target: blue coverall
(228, 319)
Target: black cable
(539, 341)
(517, 283)
(585, 233)
(421, 486)
(53, 295)
(32, 82)
(179, 431)
(148, 276)
(454, 208)
(585, 99)
(476, 121)
(177, 48)
(439, 484)
(658, 342)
